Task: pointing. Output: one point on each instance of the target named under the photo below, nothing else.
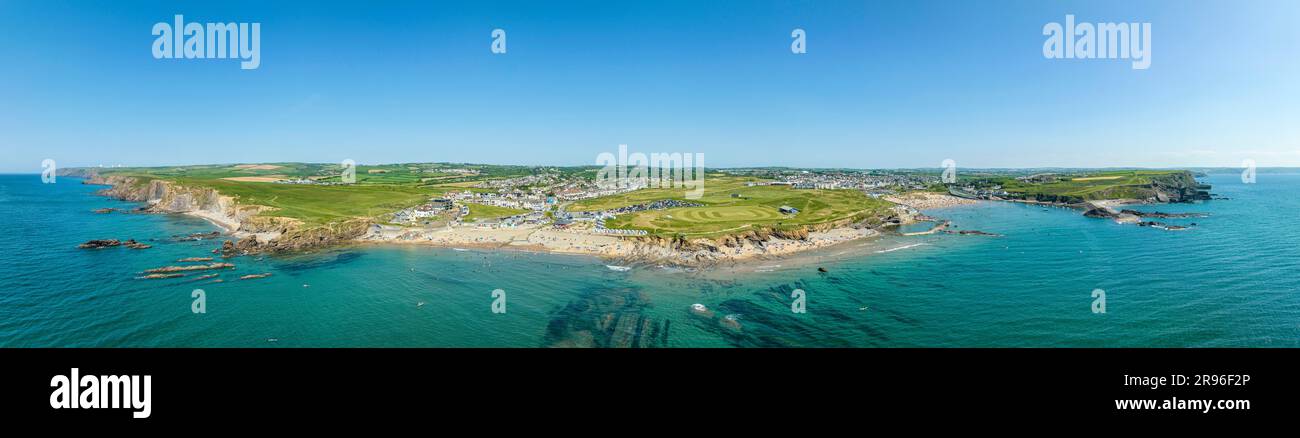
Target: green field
(729, 205)
(479, 212)
(754, 207)
(315, 205)
(311, 204)
(378, 189)
(1126, 184)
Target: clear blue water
(1230, 281)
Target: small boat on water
(700, 310)
(731, 321)
(619, 268)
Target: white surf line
(914, 245)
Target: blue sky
(884, 84)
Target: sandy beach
(227, 224)
(545, 238)
(928, 200)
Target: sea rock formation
(170, 269)
(100, 243)
(607, 318)
(131, 243)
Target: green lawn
(754, 207)
(716, 190)
(373, 195)
(482, 211)
(315, 204)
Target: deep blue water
(1229, 281)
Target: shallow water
(1229, 281)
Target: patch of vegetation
(750, 208)
(479, 212)
(311, 204)
(316, 204)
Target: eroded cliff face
(168, 197)
(257, 232)
(1178, 187)
(302, 239)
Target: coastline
(256, 234)
(232, 218)
(227, 224)
(609, 248)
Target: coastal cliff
(256, 232)
(1173, 187)
(1178, 187)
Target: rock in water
(1101, 212)
(167, 269)
(99, 243)
(228, 249)
(131, 243)
(159, 276)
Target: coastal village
(747, 213)
(542, 198)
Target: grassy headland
(1081, 186)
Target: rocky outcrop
(170, 269)
(976, 233)
(1162, 215)
(194, 237)
(158, 276)
(109, 243)
(295, 239)
(708, 251)
(1101, 213)
(618, 318)
(100, 243)
(1178, 187)
(131, 243)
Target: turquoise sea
(1229, 281)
